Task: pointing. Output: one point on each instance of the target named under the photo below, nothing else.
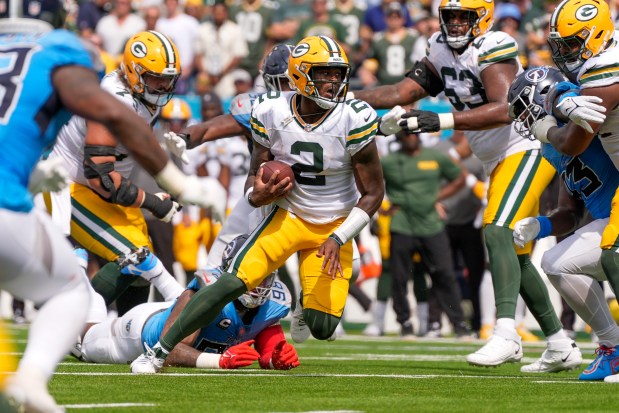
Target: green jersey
(332, 28)
(254, 24)
(394, 58)
(352, 22)
(413, 184)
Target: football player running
(234, 124)
(251, 319)
(583, 42)
(330, 143)
(474, 67)
(103, 207)
(50, 74)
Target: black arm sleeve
(426, 78)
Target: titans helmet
(275, 66)
(527, 94)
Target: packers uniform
(106, 229)
(601, 71)
(322, 197)
(393, 56)
(518, 173)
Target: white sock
(487, 307)
(558, 336)
(423, 312)
(521, 310)
(379, 308)
(59, 321)
(506, 324)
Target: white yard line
(107, 405)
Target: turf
(354, 373)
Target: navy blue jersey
(590, 176)
(30, 110)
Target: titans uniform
(601, 71)
(36, 260)
(121, 340)
(106, 229)
(322, 197)
(518, 174)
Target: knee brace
(322, 325)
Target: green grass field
(352, 374)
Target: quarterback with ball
(329, 141)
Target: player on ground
(474, 67)
(104, 205)
(330, 143)
(584, 47)
(46, 73)
(225, 343)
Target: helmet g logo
(586, 12)
(300, 50)
(138, 49)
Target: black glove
(415, 121)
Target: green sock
(110, 283)
(322, 325)
(383, 288)
(202, 309)
(610, 264)
(535, 295)
(505, 269)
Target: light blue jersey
(590, 176)
(240, 108)
(228, 328)
(31, 113)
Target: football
(269, 168)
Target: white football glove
(389, 122)
(48, 175)
(583, 109)
(177, 146)
(542, 126)
(525, 231)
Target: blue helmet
(275, 66)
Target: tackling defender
(225, 343)
(330, 143)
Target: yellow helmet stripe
(167, 47)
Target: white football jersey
(602, 70)
(461, 75)
(235, 155)
(319, 153)
(72, 136)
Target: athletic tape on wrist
(208, 361)
(352, 225)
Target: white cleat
(612, 379)
(299, 331)
(28, 392)
(498, 350)
(147, 363)
(563, 356)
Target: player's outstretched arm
(222, 126)
(79, 91)
(572, 139)
(405, 92)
